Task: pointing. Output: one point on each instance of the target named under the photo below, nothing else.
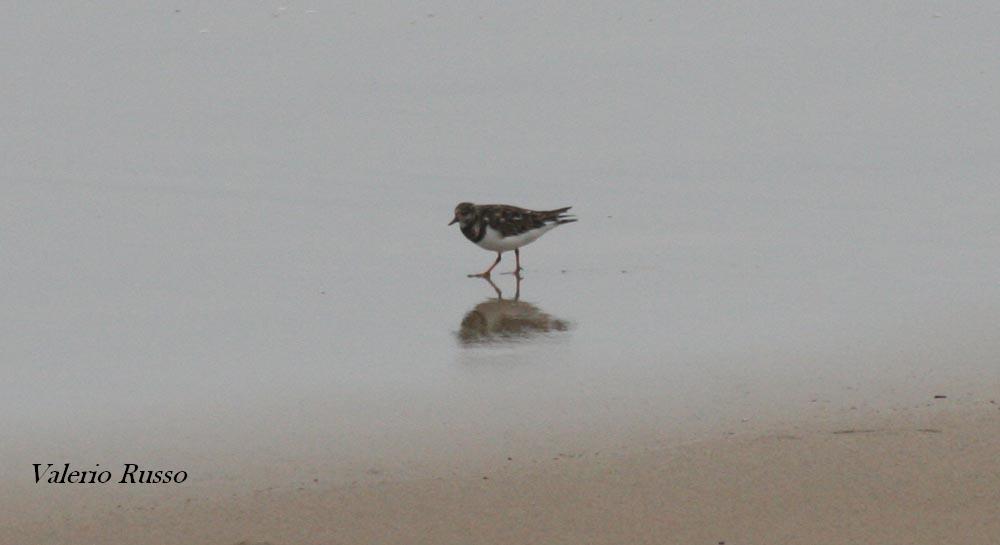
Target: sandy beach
(927, 475)
(225, 251)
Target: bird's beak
(453, 220)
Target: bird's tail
(560, 216)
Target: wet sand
(224, 250)
(924, 475)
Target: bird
(501, 228)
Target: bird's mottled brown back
(511, 220)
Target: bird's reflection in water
(506, 320)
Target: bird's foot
(485, 275)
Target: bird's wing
(511, 220)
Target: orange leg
(486, 274)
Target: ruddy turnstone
(501, 228)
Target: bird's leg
(517, 268)
(486, 273)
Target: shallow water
(229, 247)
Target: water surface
(224, 241)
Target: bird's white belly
(494, 242)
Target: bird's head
(465, 213)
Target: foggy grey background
(222, 225)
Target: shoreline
(920, 475)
